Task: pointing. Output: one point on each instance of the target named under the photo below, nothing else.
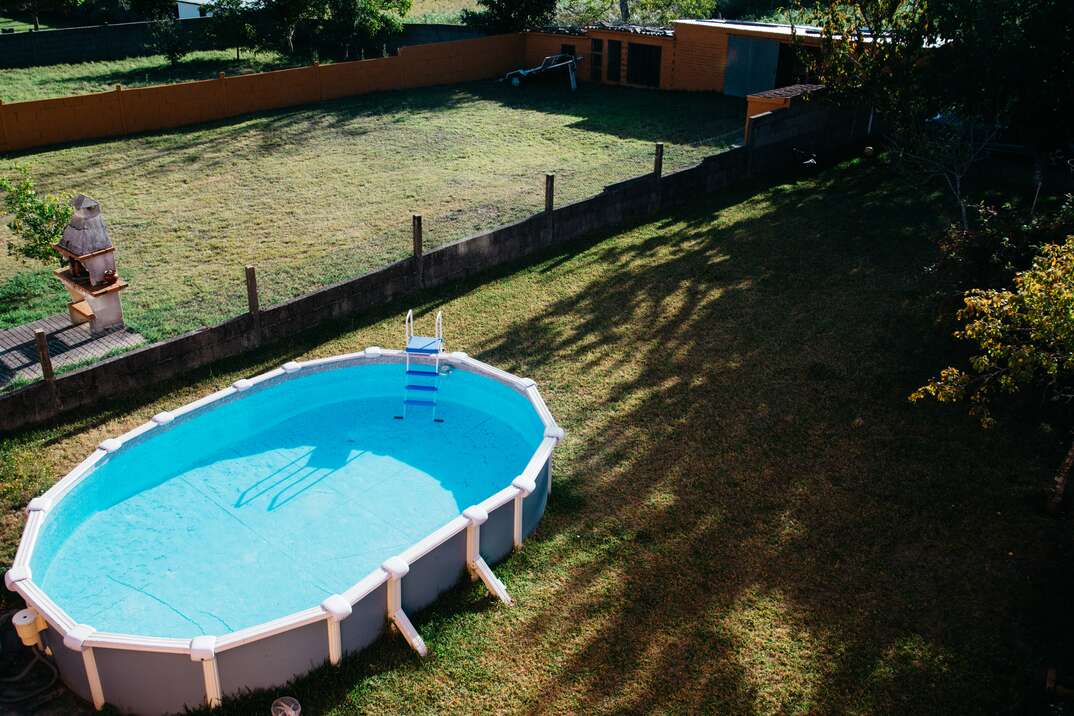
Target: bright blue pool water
(270, 502)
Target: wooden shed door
(751, 65)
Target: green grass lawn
(747, 515)
(17, 85)
(320, 193)
(19, 25)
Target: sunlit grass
(317, 194)
(746, 516)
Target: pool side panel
(142, 682)
(72, 667)
(366, 622)
(274, 660)
(435, 573)
(533, 505)
(498, 534)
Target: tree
(232, 24)
(37, 222)
(170, 39)
(36, 8)
(511, 15)
(282, 18)
(352, 23)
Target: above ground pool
(257, 533)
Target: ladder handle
(409, 324)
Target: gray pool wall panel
(366, 622)
(273, 660)
(498, 534)
(434, 573)
(152, 682)
(69, 662)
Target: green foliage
(37, 222)
(511, 15)
(351, 23)
(641, 12)
(232, 24)
(170, 40)
(1024, 337)
(1001, 241)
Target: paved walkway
(66, 343)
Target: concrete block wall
(810, 126)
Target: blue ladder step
(424, 388)
(424, 345)
(424, 403)
(422, 372)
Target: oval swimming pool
(279, 524)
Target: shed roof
(788, 92)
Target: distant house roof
(788, 92)
(756, 28)
(632, 29)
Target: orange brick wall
(700, 58)
(24, 125)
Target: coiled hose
(31, 682)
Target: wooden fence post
(253, 301)
(549, 192)
(419, 264)
(43, 356)
(658, 161)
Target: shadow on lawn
(620, 113)
(748, 517)
(773, 527)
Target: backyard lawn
(28, 83)
(747, 515)
(320, 193)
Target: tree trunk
(37, 22)
(1056, 501)
(624, 10)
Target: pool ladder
(421, 383)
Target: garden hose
(26, 684)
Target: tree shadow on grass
(747, 517)
(781, 531)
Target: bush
(1001, 242)
(37, 222)
(170, 40)
(1024, 337)
(511, 15)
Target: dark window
(615, 59)
(643, 65)
(596, 59)
(567, 50)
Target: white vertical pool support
(475, 563)
(525, 486)
(203, 649)
(75, 641)
(397, 568)
(337, 608)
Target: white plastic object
(242, 384)
(396, 567)
(110, 445)
(77, 635)
(39, 504)
(402, 623)
(527, 383)
(203, 648)
(286, 706)
(16, 574)
(555, 432)
(372, 351)
(337, 607)
(291, 367)
(525, 484)
(163, 418)
(476, 514)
